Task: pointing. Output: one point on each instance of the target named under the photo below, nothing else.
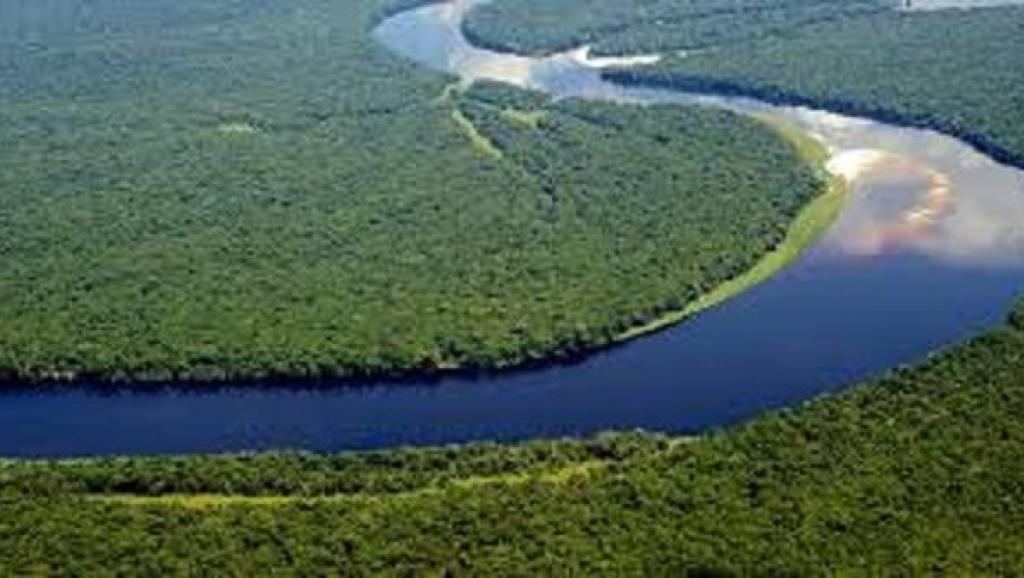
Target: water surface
(928, 252)
(926, 5)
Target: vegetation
(243, 189)
(957, 72)
(310, 475)
(306, 204)
(535, 141)
(610, 27)
(954, 71)
(918, 473)
(805, 229)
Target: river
(927, 252)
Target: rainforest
(918, 473)
(511, 288)
(261, 192)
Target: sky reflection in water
(929, 251)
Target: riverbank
(713, 86)
(915, 473)
(806, 228)
(576, 239)
(473, 351)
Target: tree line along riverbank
(918, 472)
(257, 190)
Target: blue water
(850, 308)
(810, 330)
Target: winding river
(928, 251)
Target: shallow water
(928, 252)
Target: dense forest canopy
(957, 71)
(297, 201)
(969, 82)
(232, 189)
(645, 26)
(919, 473)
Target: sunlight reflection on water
(982, 227)
(837, 315)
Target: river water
(928, 251)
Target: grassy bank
(805, 230)
(480, 142)
(566, 474)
